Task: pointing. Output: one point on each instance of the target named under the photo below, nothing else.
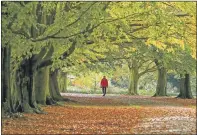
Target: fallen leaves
(108, 115)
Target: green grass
(115, 90)
(109, 91)
(72, 89)
(146, 92)
(135, 106)
(192, 106)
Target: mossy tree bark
(31, 83)
(133, 78)
(65, 82)
(138, 68)
(17, 88)
(185, 88)
(26, 101)
(24, 95)
(5, 80)
(54, 87)
(24, 89)
(41, 84)
(42, 87)
(161, 80)
(62, 81)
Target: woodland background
(51, 48)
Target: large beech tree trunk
(185, 88)
(25, 97)
(161, 79)
(133, 78)
(62, 81)
(34, 85)
(65, 82)
(5, 80)
(42, 87)
(54, 88)
(23, 93)
(161, 82)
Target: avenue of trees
(43, 39)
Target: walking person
(104, 85)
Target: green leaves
(122, 29)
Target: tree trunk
(188, 86)
(133, 78)
(65, 82)
(5, 80)
(23, 93)
(23, 86)
(54, 89)
(161, 82)
(62, 81)
(185, 88)
(41, 84)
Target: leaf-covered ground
(113, 114)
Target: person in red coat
(104, 85)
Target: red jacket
(104, 82)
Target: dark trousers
(104, 90)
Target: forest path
(126, 100)
(112, 114)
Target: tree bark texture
(161, 82)
(41, 85)
(62, 81)
(133, 78)
(5, 79)
(23, 87)
(24, 90)
(54, 88)
(185, 88)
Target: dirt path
(113, 114)
(166, 125)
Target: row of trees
(41, 38)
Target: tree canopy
(40, 38)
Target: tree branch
(69, 51)
(48, 61)
(178, 15)
(56, 33)
(152, 69)
(40, 55)
(137, 29)
(84, 31)
(109, 60)
(142, 62)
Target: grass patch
(192, 106)
(135, 106)
(146, 92)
